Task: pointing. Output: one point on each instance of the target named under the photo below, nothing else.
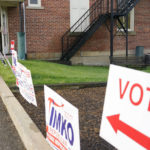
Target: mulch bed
(89, 101)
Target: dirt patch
(89, 101)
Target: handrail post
(126, 35)
(107, 6)
(111, 30)
(117, 5)
(62, 43)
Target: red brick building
(46, 22)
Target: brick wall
(13, 24)
(101, 39)
(45, 28)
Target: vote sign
(126, 114)
(62, 122)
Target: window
(130, 21)
(34, 3)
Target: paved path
(9, 138)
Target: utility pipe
(24, 16)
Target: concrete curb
(30, 135)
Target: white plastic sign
(25, 84)
(126, 114)
(62, 122)
(12, 46)
(14, 61)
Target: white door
(77, 9)
(4, 31)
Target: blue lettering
(69, 126)
(57, 121)
(63, 128)
(60, 124)
(51, 118)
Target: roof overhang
(10, 3)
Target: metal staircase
(90, 21)
(125, 6)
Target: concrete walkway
(30, 135)
(9, 137)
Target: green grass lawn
(52, 73)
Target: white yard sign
(25, 84)
(14, 61)
(23, 79)
(126, 115)
(62, 122)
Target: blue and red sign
(62, 122)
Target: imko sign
(126, 115)
(62, 122)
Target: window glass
(130, 21)
(33, 1)
(123, 20)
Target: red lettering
(120, 85)
(141, 96)
(148, 89)
(149, 107)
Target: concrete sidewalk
(29, 134)
(9, 137)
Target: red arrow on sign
(129, 131)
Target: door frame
(81, 9)
(4, 30)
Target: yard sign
(23, 79)
(25, 84)
(14, 61)
(12, 46)
(62, 122)
(126, 115)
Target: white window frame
(131, 20)
(34, 5)
(131, 29)
(4, 30)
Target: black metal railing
(100, 7)
(89, 18)
(124, 6)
